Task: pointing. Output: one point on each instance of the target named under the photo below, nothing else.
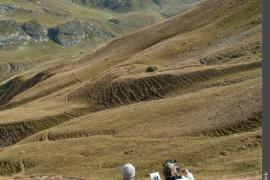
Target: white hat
(128, 171)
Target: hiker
(171, 171)
(128, 172)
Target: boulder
(35, 30)
(69, 33)
(11, 35)
(73, 32)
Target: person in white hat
(128, 172)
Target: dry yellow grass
(202, 106)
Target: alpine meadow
(89, 85)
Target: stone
(69, 33)
(73, 32)
(35, 30)
(11, 35)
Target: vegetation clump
(151, 69)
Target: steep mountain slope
(29, 28)
(24, 36)
(187, 89)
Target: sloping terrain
(188, 88)
(33, 32)
(25, 42)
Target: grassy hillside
(201, 104)
(49, 13)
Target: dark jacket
(173, 178)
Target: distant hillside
(166, 7)
(39, 31)
(116, 4)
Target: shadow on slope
(18, 85)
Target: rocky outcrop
(35, 30)
(73, 32)
(12, 35)
(9, 8)
(6, 8)
(107, 4)
(11, 67)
